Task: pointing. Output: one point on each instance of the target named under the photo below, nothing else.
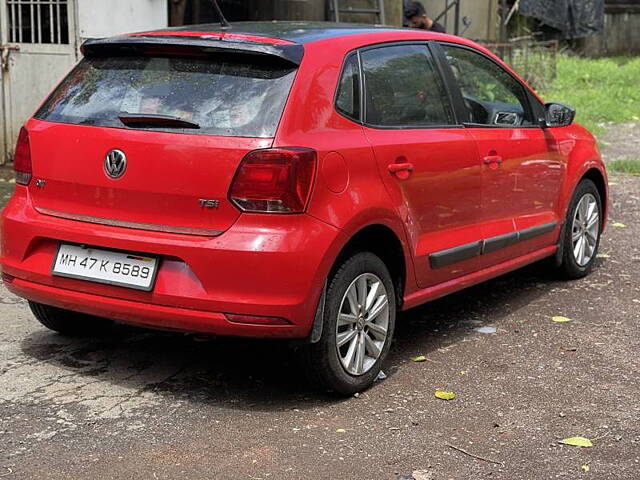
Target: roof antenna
(223, 21)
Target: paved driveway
(140, 404)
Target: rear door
(181, 123)
(428, 163)
(522, 169)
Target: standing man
(417, 17)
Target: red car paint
(229, 272)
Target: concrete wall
(103, 18)
(483, 13)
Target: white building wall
(104, 18)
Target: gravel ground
(140, 404)
(621, 142)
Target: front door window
(491, 95)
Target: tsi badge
(208, 203)
(115, 163)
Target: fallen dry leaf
(585, 468)
(577, 442)
(603, 255)
(419, 358)
(618, 225)
(560, 319)
(444, 395)
(340, 430)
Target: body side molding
(446, 257)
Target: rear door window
(348, 97)
(403, 88)
(237, 96)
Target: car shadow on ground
(266, 375)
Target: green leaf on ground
(444, 395)
(577, 442)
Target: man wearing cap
(417, 17)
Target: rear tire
(356, 334)
(69, 323)
(581, 237)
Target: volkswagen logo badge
(115, 163)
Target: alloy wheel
(585, 229)
(362, 324)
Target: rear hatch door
(177, 125)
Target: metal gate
(37, 46)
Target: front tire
(67, 322)
(583, 226)
(358, 325)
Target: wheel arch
(597, 174)
(597, 177)
(382, 240)
(579, 170)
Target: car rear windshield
(231, 96)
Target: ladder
(337, 10)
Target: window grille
(38, 21)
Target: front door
(38, 47)
(429, 164)
(522, 168)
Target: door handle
(401, 170)
(488, 160)
(400, 167)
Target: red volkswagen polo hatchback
(291, 180)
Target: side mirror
(558, 115)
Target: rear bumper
(264, 265)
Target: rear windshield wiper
(142, 120)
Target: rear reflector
(255, 320)
(22, 158)
(274, 180)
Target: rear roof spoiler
(137, 44)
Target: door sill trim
(436, 291)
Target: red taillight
(22, 159)
(276, 180)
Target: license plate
(130, 270)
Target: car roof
(278, 31)
(284, 39)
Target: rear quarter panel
(348, 192)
